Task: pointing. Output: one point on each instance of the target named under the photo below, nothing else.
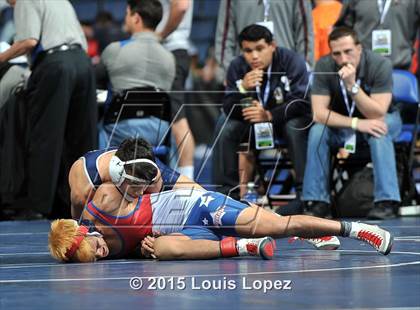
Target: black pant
(62, 119)
(182, 60)
(225, 157)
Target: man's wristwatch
(354, 89)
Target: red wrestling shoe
(263, 247)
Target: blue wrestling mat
(299, 277)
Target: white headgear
(118, 174)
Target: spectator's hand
(256, 113)
(348, 75)
(342, 153)
(208, 73)
(252, 79)
(374, 127)
(147, 247)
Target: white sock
(355, 228)
(188, 171)
(241, 247)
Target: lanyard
(383, 9)
(266, 9)
(350, 109)
(266, 89)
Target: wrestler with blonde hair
(68, 239)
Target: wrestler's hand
(374, 127)
(256, 113)
(348, 74)
(252, 79)
(147, 247)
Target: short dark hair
(104, 17)
(254, 33)
(131, 149)
(150, 11)
(341, 32)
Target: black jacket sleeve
(296, 99)
(236, 71)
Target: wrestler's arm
(172, 178)
(109, 199)
(80, 192)
(185, 182)
(140, 252)
(76, 207)
(166, 174)
(178, 246)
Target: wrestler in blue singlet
(90, 159)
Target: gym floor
(300, 277)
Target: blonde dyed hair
(61, 238)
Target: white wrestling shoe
(322, 243)
(263, 247)
(377, 237)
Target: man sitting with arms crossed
(140, 62)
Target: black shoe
(27, 215)
(318, 209)
(383, 210)
(294, 207)
(6, 215)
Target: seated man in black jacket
(277, 80)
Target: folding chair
(274, 169)
(140, 103)
(405, 91)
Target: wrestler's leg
(257, 222)
(173, 247)
(202, 243)
(230, 217)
